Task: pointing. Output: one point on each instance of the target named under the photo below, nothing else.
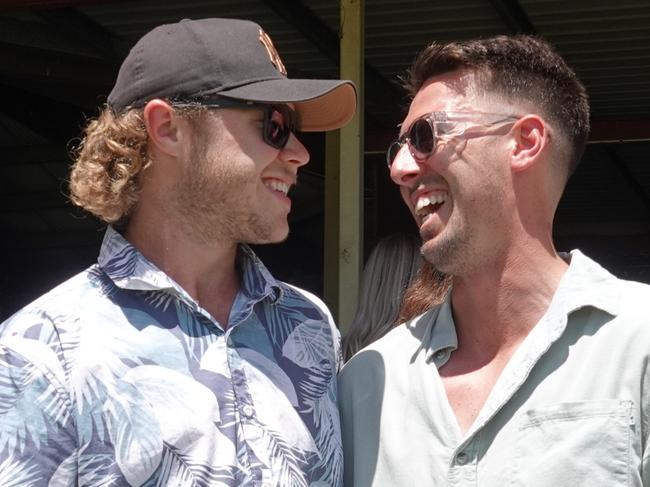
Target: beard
(447, 253)
(468, 241)
(211, 202)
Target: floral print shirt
(118, 377)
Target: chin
(279, 238)
(280, 232)
(439, 254)
(275, 235)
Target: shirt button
(462, 458)
(248, 411)
(440, 355)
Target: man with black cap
(178, 359)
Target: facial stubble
(210, 198)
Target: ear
(531, 136)
(163, 127)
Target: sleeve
(37, 434)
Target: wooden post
(343, 254)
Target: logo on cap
(273, 53)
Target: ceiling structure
(59, 59)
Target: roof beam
(80, 28)
(24, 62)
(31, 4)
(309, 25)
(514, 16)
(326, 41)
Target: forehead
(451, 92)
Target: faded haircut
(518, 68)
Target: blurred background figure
(385, 298)
(428, 289)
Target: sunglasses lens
(278, 125)
(421, 137)
(392, 152)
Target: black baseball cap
(225, 57)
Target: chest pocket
(574, 444)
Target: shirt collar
(443, 334)
(129, 269)
(257, 281)
(585, 283)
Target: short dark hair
(520, 68)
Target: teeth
(424, 201)
(276, 185)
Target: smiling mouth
(277, 185)
(427, 205)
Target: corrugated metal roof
(607, 43)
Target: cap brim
(321, 104)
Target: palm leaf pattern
(26, 393)
(326, 425)
(180, 470)
(18, 474)
(122, 262)
(196, 335)
(118, 378)
(90, 469)
(288, 462)
(159, 300)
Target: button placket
(248, 411)
(463, 468)
(462, 458)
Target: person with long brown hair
(396, 286)
(388, 272)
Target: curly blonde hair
(105, 176)
(108, 164)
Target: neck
(496, 307)
(207, 272)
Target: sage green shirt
(571, 407)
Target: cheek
(252, 146)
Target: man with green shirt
(534, 370)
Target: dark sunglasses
(280, 121)
(424, 133)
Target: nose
(294, 152)
(404, 167)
